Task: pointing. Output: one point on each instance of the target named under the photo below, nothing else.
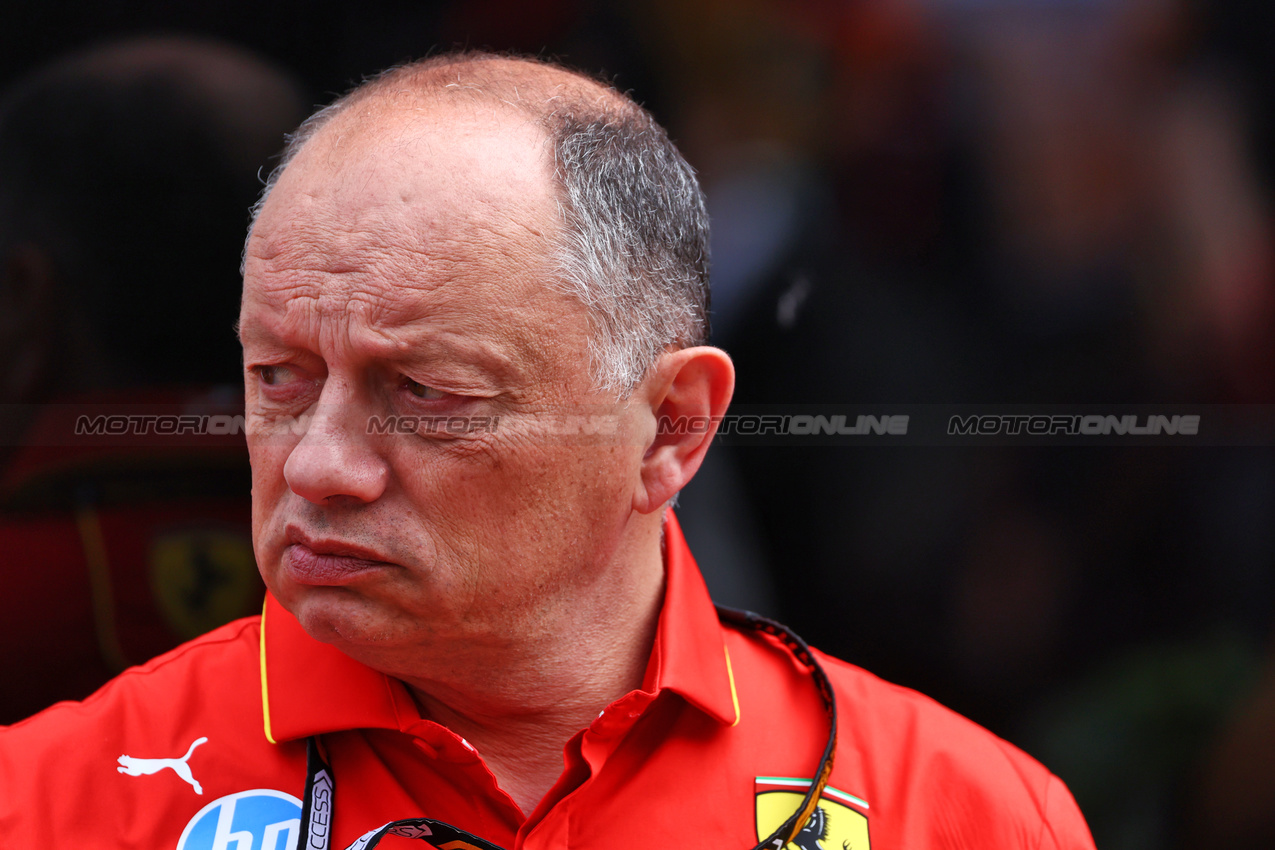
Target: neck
(519, 705)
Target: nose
(333, 458)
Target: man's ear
(688, 391)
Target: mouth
(324, 562)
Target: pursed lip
(323, 561)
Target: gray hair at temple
(635, 245)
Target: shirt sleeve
(1064, 827)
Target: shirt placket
(455, 756)
(586, 754)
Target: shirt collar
(689, 656)
(309, 687)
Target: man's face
(400, 268)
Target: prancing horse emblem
(815, 831)
(838, 822)
(138, 767)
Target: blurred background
(913, 201)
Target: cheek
(267, 457)
(551, 499)
(504, 495)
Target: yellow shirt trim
(734, 695)
(265, 691)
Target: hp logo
(262, 819)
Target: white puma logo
(137, 767)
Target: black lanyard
(320, 785)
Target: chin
(335, 615)
(325, 615)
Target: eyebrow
(470, 354)
(490, 362)
(254, 333)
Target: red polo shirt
(714, 750)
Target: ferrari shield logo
(839, 822)
(203, 577)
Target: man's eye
(273, 375)
(422, 391)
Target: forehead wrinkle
(393, 280)
(320, 239)
(328, 313)
(412, 248)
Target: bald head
(536, 88)
(631, 239)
